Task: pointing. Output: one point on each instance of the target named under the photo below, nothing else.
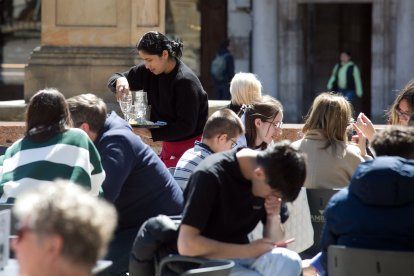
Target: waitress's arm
(133, 76)
(191, 107)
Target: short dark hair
(223, 121)
(154, 43)
(47, 114)
(285, 169)
(395, 140)
(88, 108)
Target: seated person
(137, 182)
(398, 114)
(220, 133)
(263, 121)
(63, 230)
(245, 89)
(373, 211)
(228, 194)
(331, 159)
(50, 149)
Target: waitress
(174, 92)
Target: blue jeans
(279, 261)
(348, 94)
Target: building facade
(292, 45)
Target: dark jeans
(222, 91)
(348, 94)
(119, 251)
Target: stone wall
(12, 131)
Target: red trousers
(171, 152)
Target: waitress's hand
(122, 87)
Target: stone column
(404, 52)
(264, 45)
(83, 42)
(290, 52)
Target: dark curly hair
(154, 43)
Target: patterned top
(189, 161)
(70, 155)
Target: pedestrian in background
(346, 78)
(222, 71)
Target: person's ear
(85, 127)
(222, 138)
(258, 122)
(259, 173)
(53, 246)
(165, 54)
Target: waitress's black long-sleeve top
(177, 98)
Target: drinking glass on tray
(125, 103)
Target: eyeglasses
(276, 125)
(22, 231)
(400, 113)
(233, 143)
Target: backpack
(218, 67)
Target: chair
(317, 200)
(344, 260)
(206, 267)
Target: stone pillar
(83, 42)
(382, 67)
(404, 52)
(264, 45)
(290, 52)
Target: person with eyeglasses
(62, 229)
(263, 120)
(399, 113)
(220, 133)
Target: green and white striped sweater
(70, 155)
